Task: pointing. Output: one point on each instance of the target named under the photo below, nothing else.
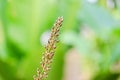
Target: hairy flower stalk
(49, 51)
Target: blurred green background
(91, 30)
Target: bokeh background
(89, 47)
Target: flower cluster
(49, 51)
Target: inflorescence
(49, 51)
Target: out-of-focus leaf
(83, 44)
(69, 38)
(7, 72)
(115, 52)
(97, 18)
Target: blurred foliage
(91, 27)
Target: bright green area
(22, 22)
